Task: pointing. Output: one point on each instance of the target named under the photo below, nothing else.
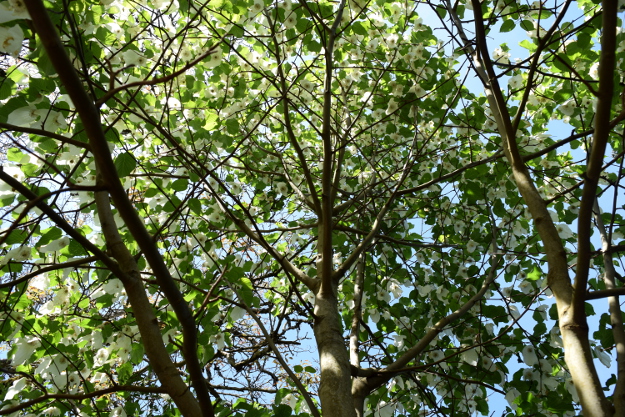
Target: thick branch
(148, 324)
(357, 315)
(573, 323)
(597, 153)
(90, 118)
(325, 219)
(616, 317)
(613, 292)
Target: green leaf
(10, 106)
(282, 410)
(76, 249)
(196, 206)
(553, 312)
(236, 31)
(441, 11)
(210, 119)
(7, 88)
(527, 25)
(15, 155)
(136, 354)
(125, 163)
(530, 46)
(535, 274)
(359, 28)
(508, 25)
(583, 40)
(314, 46)
(540, 329)
(232, 126)
(49, 235)
(180, 184)
(124, 372)
(604, 335)
(246, 291)
(497, 313)
(45, 64)
(16, 236)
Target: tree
(193, 187)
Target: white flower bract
(55, 245)
(529, 355)
(25, 348)
(11, 39)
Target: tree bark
(616, 315)
(335, 390)
(570, 301)
(105, 167)
(151, 337)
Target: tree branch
(45, 133)
(61, 223)
(291, 135)
(90, 118)
(148, 324)
(383, 376)
(84, 396)
(597, 153)
(32, 274)
(285, 366)
(616, 316)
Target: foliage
(260, 207)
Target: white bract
(605, 359)
(55, 245)
(12, 10)
(470, 356)
(529, 356)
(11, 39)
(18, 254)
(24, 349)
(568, 107)
(511, 396)
(16, 387)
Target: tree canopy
(314, 207)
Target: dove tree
(337, 208)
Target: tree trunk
(579, 360)
(335, 389)
(360, 391)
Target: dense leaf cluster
(275, 166)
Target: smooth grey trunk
(360, 391)
(335, 390)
